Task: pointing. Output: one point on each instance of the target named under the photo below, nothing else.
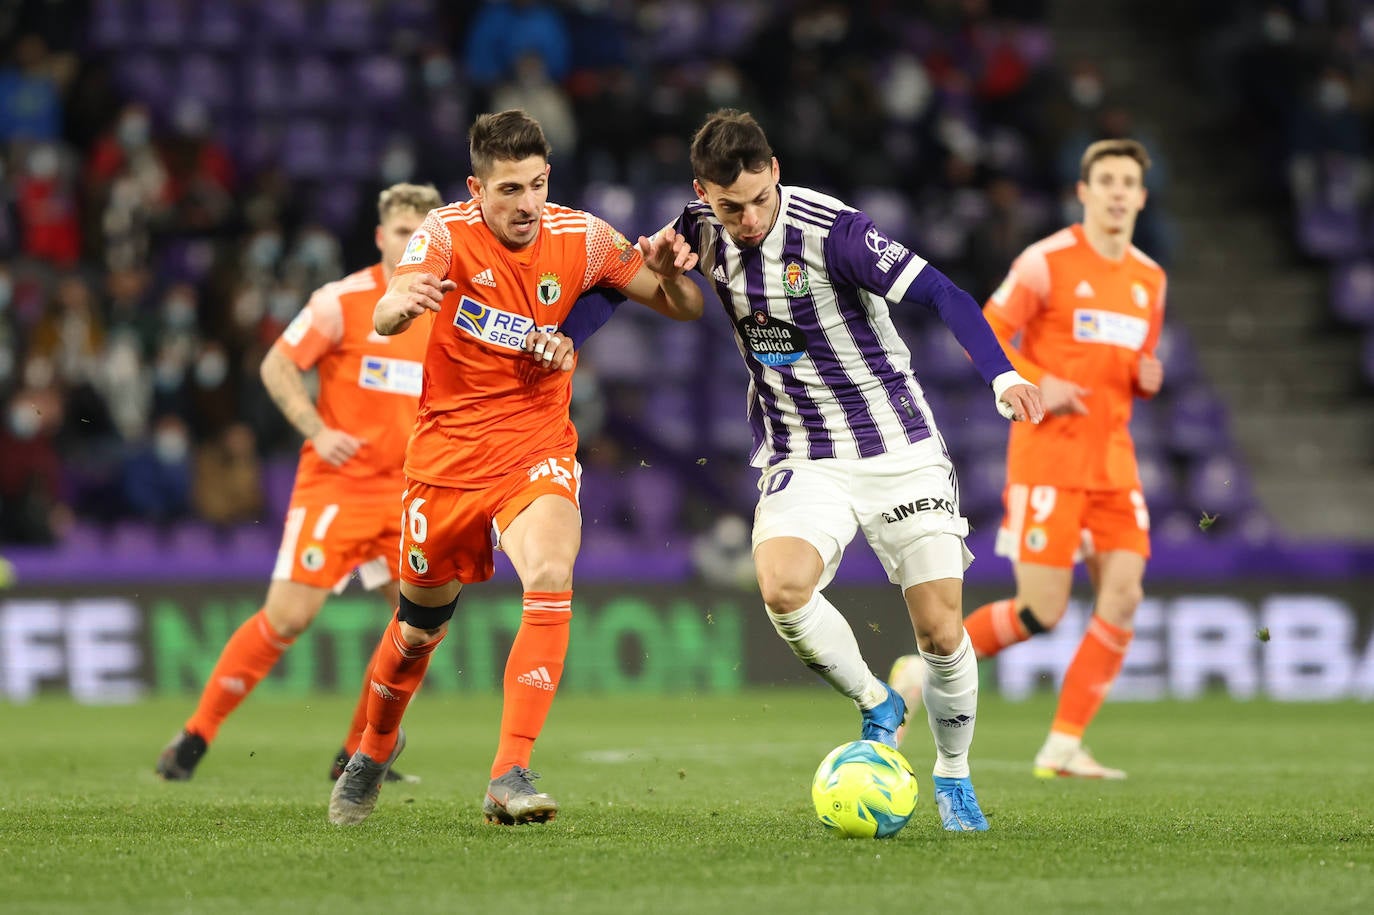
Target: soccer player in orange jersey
(491, 462)
(1088, 307)
(344, 513)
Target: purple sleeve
(591, 310)
(860, 254)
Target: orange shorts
(450, 534)
(1052, 526)
(329, 533)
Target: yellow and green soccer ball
(864, 789)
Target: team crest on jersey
(549, 290)
(416, 248)
(1140, 295)
(419, 562)
(494, 326)
(795, 282)
(770, 340)
(312, 558)
(1036, 539)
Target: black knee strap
(427, 618)
(1033, 625)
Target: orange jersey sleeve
(316, 330)
(611, 259)
(430, 249)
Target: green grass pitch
(685, 804)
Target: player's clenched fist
(409, 296)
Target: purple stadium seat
(1157, 482)
(1330, 233)
(621, 350)
(336, 206)
(1176, 351)
(653, 497)
(667, 415)
(1198, 423)
(208, 79)
(220, 26)
(599, 496)
(318, 87)
(110, 24)
(346, 25)
(145, 77)
(265, 85)
(1036, 44)
(677, 32)
(306, 150)
(1352, 292)
(164, 24)
(1219, 486)
(679, 350)
(358, 149)
(981, 480)
(284, 23)
(278, 479)
(1147, 428)
(379, 80)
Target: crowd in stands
(176, 176)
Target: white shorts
(906, 502)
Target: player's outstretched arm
(284, 382)
(662, 283)
(408, 296)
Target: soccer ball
(864, 789)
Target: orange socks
(394, 675)
(247, 657)
(533, 669)
(1090, 675)
(359, 724)
(995, 626)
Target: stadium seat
(1198, 423)
(165, 24)
(1330, 233)
(1219, 485)
(110, 24)
(209, 78)
(219, 26)
(284, 24)
(1352, 292)
(346, 25)
(306, 150)
(315, 83)
(266, 88)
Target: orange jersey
(486, 409)
(369, 384)
(1087, 319)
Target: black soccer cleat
(179, 760)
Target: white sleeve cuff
(1006, 380)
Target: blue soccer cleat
(959, 810)
(881, 721)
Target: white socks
(820, 636)
(950, 695)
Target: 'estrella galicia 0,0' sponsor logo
(907, 509)
(772, 341)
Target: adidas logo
(485, 278)
(1084, 290)
(383, 691)
(718, 274)
(957, 721)
(538, 678)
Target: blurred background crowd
(176, 177)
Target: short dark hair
(730, 142)
(1131, 149)
(506, 136)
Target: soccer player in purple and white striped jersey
(843, 435)
(842, 431)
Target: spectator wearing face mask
(157, 474)
(31, 507)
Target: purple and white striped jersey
(830, 376)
